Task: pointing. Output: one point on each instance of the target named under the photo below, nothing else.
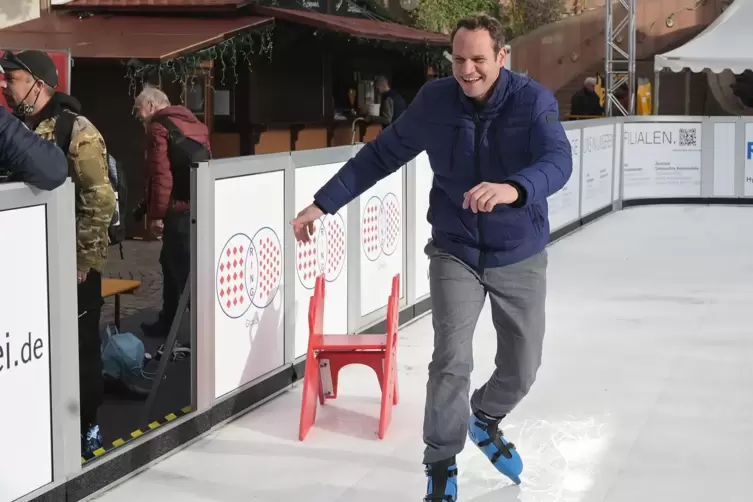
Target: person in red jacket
(167, 201)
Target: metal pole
(167, 354)
(632, 84)
(619, 64)
(608, 59)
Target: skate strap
(439, 484)
(495, 437)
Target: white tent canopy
(726, 44)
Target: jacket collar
(495, 101)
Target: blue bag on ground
(123, 357)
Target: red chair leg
(311, 391)
(389, 394)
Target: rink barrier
(38, 316)
(241, 197)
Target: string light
(187, 69)
(428, 55)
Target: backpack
(182, 152)
(116, 232)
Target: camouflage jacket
(95, 198)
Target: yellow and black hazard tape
(138, 433)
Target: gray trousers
(517, 294)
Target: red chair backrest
(316, 309)
(393, 311)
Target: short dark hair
(381, 79)
(482, 22)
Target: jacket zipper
(479, 179)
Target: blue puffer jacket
(29, 158)
(516, 138)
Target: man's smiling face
(476, 62)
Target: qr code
(687, 137)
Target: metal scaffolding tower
(619, 63)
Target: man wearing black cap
(29, 88)
(25, 157)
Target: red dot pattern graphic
(371, 227)
(270, 268)
(231, 278)
(307, 259)
(335, 247)
(391, 222)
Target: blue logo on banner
(749, 153)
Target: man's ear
(502, 56)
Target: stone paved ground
(141, 263)
(120, 414)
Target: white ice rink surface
(645, 393)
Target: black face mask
(23, 110)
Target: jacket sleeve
(28, 157)
(393, 147)
(88, 156)
(158, 174)
(552, 158)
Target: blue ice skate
(485, 433)
(442, 483)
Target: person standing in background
(586, 102)
(29, 88)
(169, 129)
(392, 103)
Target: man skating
(497, 150)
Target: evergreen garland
(186, 69)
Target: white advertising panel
(25, 422)
(598, 155)
(381, 241)
(563, 205)
(748, 160)
(324, 254)
(662, 160)
(424, 179)
(249, 278)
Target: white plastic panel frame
(723, 173)
(62, 351)
(355, 276)
(661, 139)
(617, 171)
(415, 212)
(609, 163)
(203, 267)
(310, 159)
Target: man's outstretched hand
(484, 196)
(303, 224)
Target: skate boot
(442, 484)
(484, 432)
